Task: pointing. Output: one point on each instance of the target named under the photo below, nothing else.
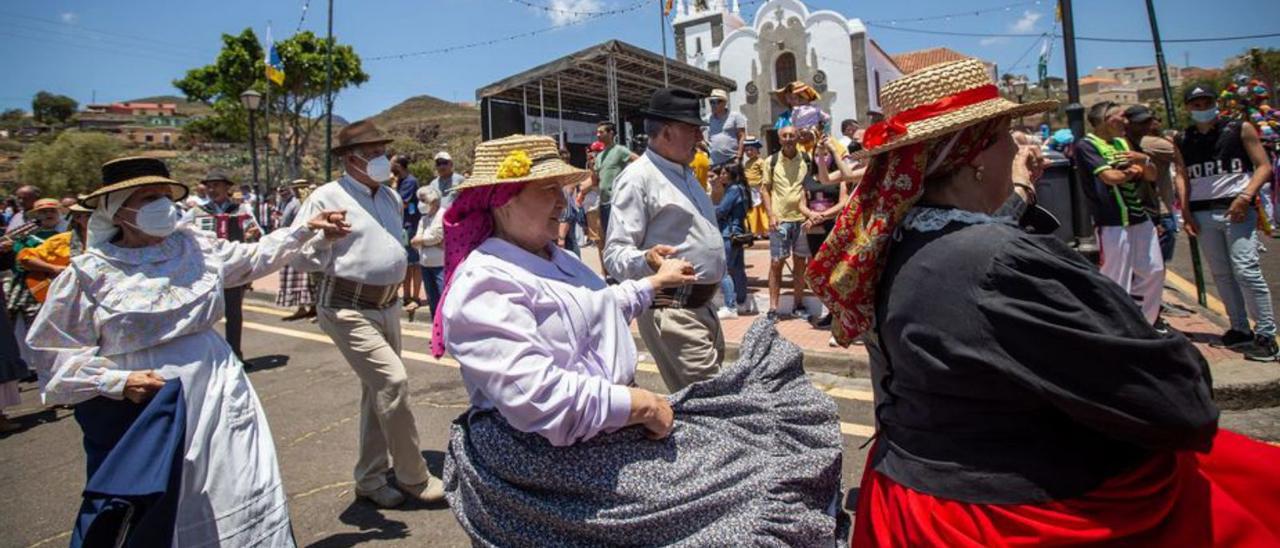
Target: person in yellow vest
(701, 166)
(753, 170)
(48, 259)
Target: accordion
(227, 226)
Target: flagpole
(662, 24)
(266, 120)
(328, 101)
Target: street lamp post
(251, 101)
(1020, 90)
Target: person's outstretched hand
(333, 222)
(673, 273)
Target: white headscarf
(102, 224)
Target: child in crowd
(802, 113)
(753, 169)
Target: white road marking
(849, 429)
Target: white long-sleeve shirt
(659, 202)
(374, 252)
(545, 343)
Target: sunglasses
(443, 162)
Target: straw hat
(45, 204)
(519, 159)
(939, 100)
(299, 183)
(76, 208)
(799, 88)
(133, 172)
(217, 175)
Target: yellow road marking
(849, 429)
(1189, 288)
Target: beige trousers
(370, 341)
(688, 345)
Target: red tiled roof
(915, 60)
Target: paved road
(311, 399)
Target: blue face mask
(1204, 116)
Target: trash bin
(1058, 192)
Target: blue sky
(129, 49)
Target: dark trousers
(233, 298)
(1169, 237)
(433, 284)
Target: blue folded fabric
(134, 456)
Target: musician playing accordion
(231, 221)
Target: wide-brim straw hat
(520, 159)
(133, 172)
(799, 88)
(359, 133)
(929, 90)
(45, 203)
(299, 183)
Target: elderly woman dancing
(178, 449)
(1021, 396)
(545, 455)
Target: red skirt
(1228, 497)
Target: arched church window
(784, 69)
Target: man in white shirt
(660, 211)
(358, 307)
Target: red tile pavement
(1202, 326)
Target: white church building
(784, 42)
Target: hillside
(185, 107)
(424, 125)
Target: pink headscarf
(467, 223)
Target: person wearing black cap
(660, 211)
(1223, 167)
(233, 222)
(1144, 133)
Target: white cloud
(993, 40)
(1026, 23)
(68, 17)
(564, 12)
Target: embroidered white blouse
(546, 343)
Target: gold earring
(977, 172)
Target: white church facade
(784, 42)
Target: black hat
(1138, 114)
(132, 172)
(1198, 92)
(677, 105)
(217, 175)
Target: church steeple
(700, 26)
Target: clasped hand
(333, 222)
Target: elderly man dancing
(358, 308)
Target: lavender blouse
(546, 343)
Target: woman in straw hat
(1021, 396)
(131, 322)
(549, 362)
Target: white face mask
(157, 218)
(378, 168)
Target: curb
(835, 363)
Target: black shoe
(822, 323)
(1161, 326)
(772, 315)
(1264, 349)
(1236, 340)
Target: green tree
(49, 108)
(297, 107)
(71, 165)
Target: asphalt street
(311, 399)
(1181, 265)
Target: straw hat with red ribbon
(937, 120)
(938, 100)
